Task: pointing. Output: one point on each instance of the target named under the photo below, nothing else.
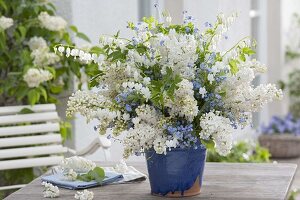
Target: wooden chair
(33, 140)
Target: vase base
(193, 191)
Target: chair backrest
(30, 140)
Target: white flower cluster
(85, 103)
(43, 57)
(121, 167)
(216, 127)
(40, 52)
(143, 136)
(71, 175)
(85, 195)
(34, 77)
(177, 51)
(184, 103)
(139, 88)
(50, 190)
(78, 164)
(6, 22)
(105, 117)
(52, 23)
(225, 23)
(37, 43)
(242, 98)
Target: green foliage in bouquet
(243, 152)
(30, 72)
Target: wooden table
(221, 181)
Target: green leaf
(3, 5)
(43, 92)
(97, 50)
(52, 71)
(65, 130)
(56, 89)
(248, 51)
(233, 66)
(97, 174)
(83, 36)
(26, 111)
(74, 28)
(33, 96)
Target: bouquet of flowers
(170, 86)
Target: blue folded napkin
(58, 180)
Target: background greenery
(15, 57)
(242, 152)
(15, 60)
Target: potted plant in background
(282, 137)
(30, 71)
(171, 93)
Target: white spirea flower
(85, 195)
(6, 22)
(52, 23)
(50, 190)
(34, 77)
(219, 129)
(78, 164)
(85, 103)
(37, 43)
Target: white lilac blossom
(77, 164)
(42, 57)
(85, 195)
(70, 175)
(34, 77)
(219, 129)
(52, 23)
(6, 22)
(37, 43)
(168, 87)
(50, 191)
(184, 103)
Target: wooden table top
(221, 181)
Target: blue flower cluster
(183, 133)
(278, 125)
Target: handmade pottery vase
(178, 173)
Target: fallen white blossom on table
(50, 190)
(78, 164)
(121, 167)
(71, 175)
(85, 195)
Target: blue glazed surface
(175, 171)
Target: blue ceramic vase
(178, 173)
